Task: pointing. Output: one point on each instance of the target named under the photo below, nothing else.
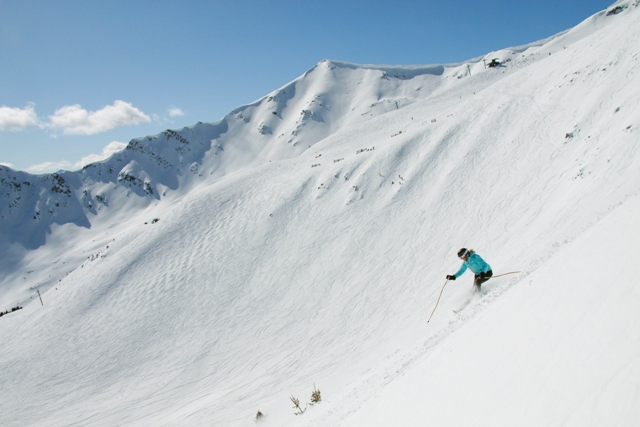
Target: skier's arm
(460, 272)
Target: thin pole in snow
(39, 296)
(504, 274)
(437, 302)
(445, 284)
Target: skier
(475, 263)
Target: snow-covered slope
(207, 273)
(570, 355)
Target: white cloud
(9, 165)
(17, 118)
(49, 167)
(107, 151)
(175, 112)
(75, 120)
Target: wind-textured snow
(205, 274)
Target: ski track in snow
(397, 364)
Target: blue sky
(81, 78)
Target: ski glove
(451, 277)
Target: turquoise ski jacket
(475, 263)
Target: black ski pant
(481, 278)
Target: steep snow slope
(570, 356)
(164, 167)
(282, 125)
(308, 246)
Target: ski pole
(504, 274)
(437, 302)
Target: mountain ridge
(148, 176)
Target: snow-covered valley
(204, 274)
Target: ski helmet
(462, 252)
